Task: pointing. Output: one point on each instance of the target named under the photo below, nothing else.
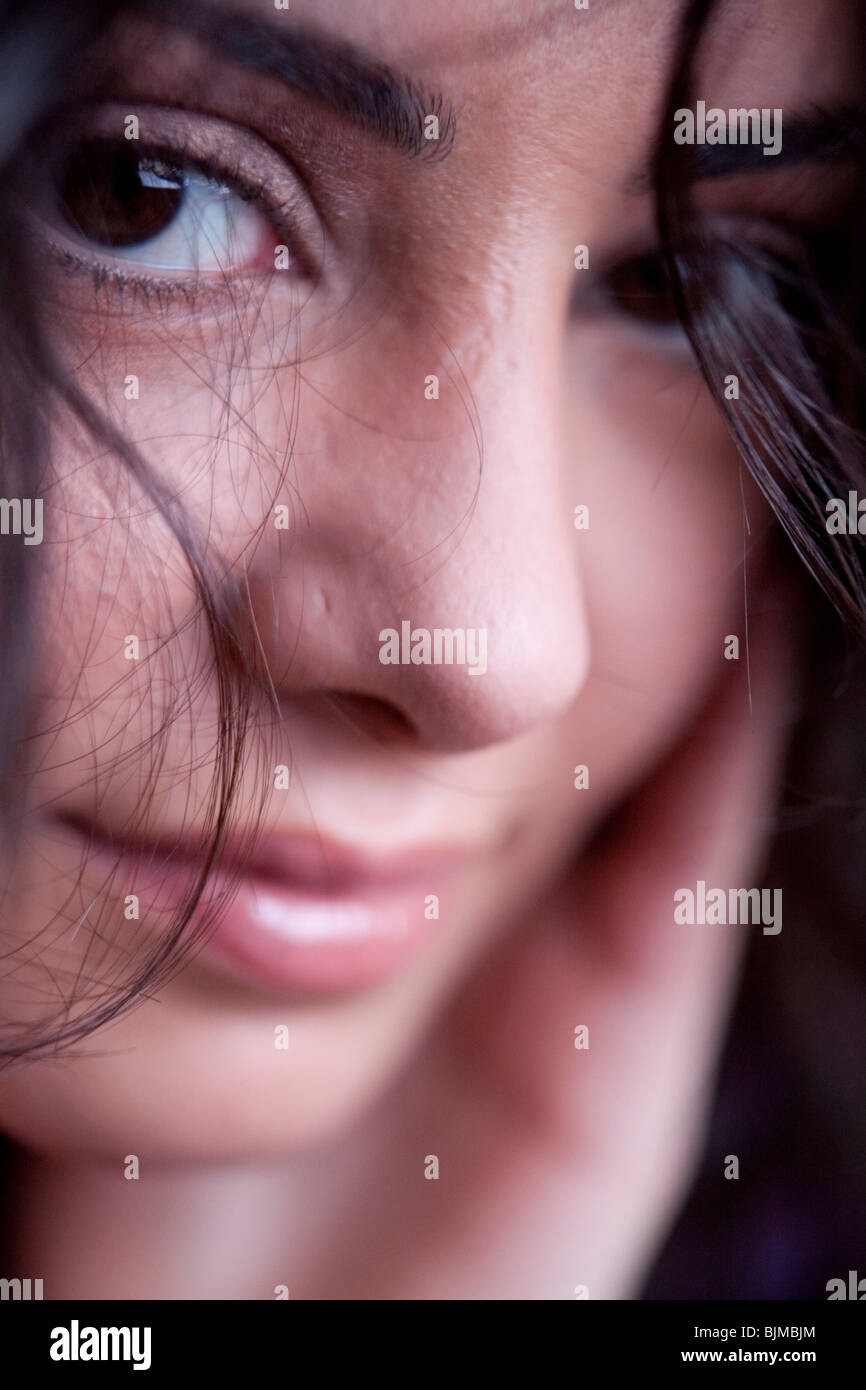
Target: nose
(432, 565)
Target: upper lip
(317, 862)
(299, 858)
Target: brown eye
(641, 288)
(142, 208)
(112, 196)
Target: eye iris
(642, 289)
(113, 196)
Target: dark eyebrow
(819, 135)
(371, 94)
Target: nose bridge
(516, 571)
(451, 588)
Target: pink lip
(318, 863)
(305, 915)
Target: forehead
(445, 26)
(768, 45)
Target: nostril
(377, 719)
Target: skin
(559, 1168)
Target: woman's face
(286, 405)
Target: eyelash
(147, 288)
(153, 288)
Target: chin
(185, 1091)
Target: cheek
(672, 513)
(208, 405)
(673, 527)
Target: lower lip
(278, 936)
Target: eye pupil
(111, 195)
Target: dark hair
(792, 334)
(33, 381)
